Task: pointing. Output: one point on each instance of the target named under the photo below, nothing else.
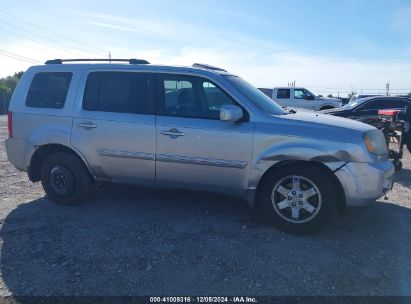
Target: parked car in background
(200, 128)
(360, 96)
(301, 98)
(368, 107)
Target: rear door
(114, 125)
(283, 97)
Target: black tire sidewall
(320, 178)
(77, 169)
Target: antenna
(387, 88)
(109, 56)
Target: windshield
(262, 101)
(353, 104)
(308, 93)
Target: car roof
(195, 69)
(360, 101)
(385, 97)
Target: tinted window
(187, 96)
(391, 104)
(380, 104)
(49, 90)
(268, 92)
(214, 97)
(283, 93)
(121, 92)
(371, 105)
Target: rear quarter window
(49, 90)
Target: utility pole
(387, 88)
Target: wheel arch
(43, 151)
(341, 203)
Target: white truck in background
(301, 98)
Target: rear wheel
(65, 179)
(299, 198)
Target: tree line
(7, 86)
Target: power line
(35, 34)
(40, 42)
(53, 33)
(17, 56)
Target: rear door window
(49, 90)
(283, 93)
(380, 104)
(120, 92)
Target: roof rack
(130, 61)
(207, 66)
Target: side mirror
(309, 97)
(231, 113)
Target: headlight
(375, 142)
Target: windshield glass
(353, 104)
(308, 93)
(262, 101)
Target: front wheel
(65, 179)
(299, 198)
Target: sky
(326, 46)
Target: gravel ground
(130, 241)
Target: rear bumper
(15, 152)
(363, 183)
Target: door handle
(174, 133)
(87, 125)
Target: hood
(329, 122)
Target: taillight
(10, 124)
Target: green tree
(9, 83)
(7, 86)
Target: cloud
(140, 25)
(321, 74)
(178, 31)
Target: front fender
(331, 154)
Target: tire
(397, 165)
(65, 179)
(316, 208)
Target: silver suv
(200, 127)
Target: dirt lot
(128, 241)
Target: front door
(114, 126)
(194, 148)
